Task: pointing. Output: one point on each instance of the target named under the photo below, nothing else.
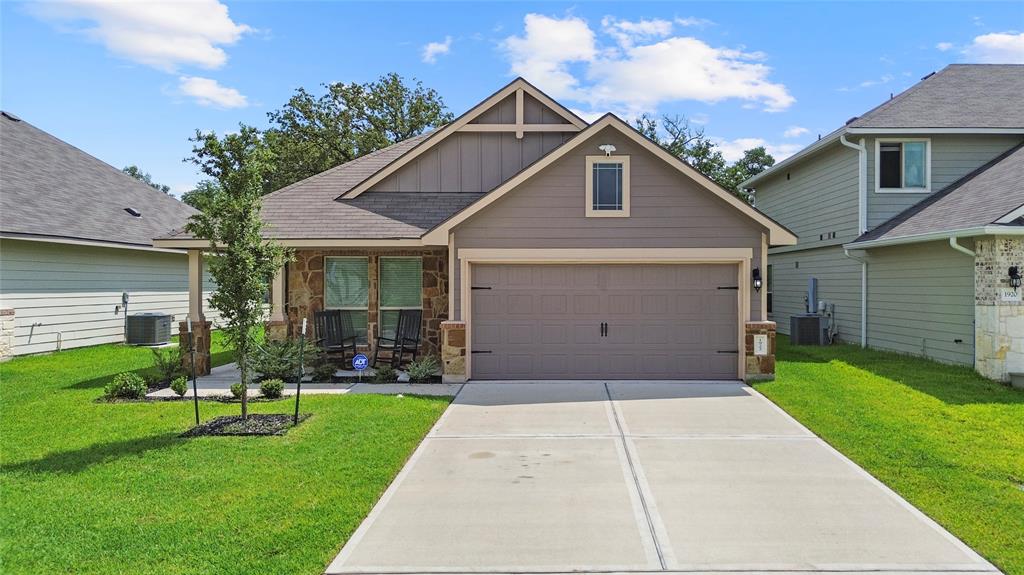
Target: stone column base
(453, 351)
(277, 330)
(201, 331)
(6, 333)
(759, 366)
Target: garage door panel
(663, 321)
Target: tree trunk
(243, 360)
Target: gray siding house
(536, 246)
(909, 216)
(76, 233)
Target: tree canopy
(144, 177)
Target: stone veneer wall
(759, 367)
(305, 289)
(6, 333)
(453, 351)
(998, 324)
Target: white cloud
(207, 92)
(692, 21)
(732, 150)
(884, 79)
(996, 48)
(647, 67)
(794, 132)
(164, 35)
(434, 49)
(944, 46)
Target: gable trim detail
(778, 234)
(461, 123)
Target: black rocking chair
(335, 332)
(406, 338)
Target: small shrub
(126, 385)
(236, 390)
(280, 359)
(385, 374)
(271, 388)
(179, 385)
(422, 369)
(324, 372)
(167, 363)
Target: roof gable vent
(10, 116)
(133, 212)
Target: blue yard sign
(359, 362)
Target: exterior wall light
(1014, 273)
(756, 276)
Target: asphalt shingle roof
(51, 188)
(978, 199)
(958, 96)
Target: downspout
(862, 226)
(956, 246)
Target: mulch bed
(256, 424)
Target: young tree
(144, 177)
(231, 222)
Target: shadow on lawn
(79, 460)
(951, 384)
(217, 359)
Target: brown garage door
(546, 321)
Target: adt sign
(359, 362)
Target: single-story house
(537, 246)
(75, 234)
(911, 218)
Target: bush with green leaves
(324, 372)
(126, 385)
(385, 374)
(280, 359)
(237, 389)
(271, 388)
(167, 363)
(179, 385)
(422, 369)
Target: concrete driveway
(637, 477)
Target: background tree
(231, 222)
(753, 162)
(202, 195)
(145, 178)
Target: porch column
(200, 333)
(277, 327)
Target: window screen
(346, 286)
(401, 287)
(607, 186)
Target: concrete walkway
(637, 477)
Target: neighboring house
(537, 246)
(76, 233)
(910, 217)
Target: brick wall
(759, 367)
(305, 289)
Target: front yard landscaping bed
(259, 424)
(946, 439)
(97, 487)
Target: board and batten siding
(922, 301)
(953, 156)
(67, 293)
(838, 283)
(667, 210)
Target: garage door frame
(740, 257)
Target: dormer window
(607, 186)
(903, 166)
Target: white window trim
(589, 200)
(380, 289)
(927, 189)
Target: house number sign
(1009, 294)
(760, 344)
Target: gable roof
(778, 234)
(51, 189)
(519, 84)
(960, 98)
(985, 197)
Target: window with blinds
(401, 287)
(347, 287)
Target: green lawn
(91, 487)
(943, 437)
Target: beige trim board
(519, 128)
(740, 257)
(778, 234)
(588, 199)
(89, 243)
(461, 122)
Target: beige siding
(953, 157)
(818, 198)
(922, 301)
(838, 283)
(667, 211)
(67, 292)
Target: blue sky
(129, 83)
